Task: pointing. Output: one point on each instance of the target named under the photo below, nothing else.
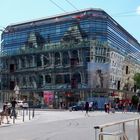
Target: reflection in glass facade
(57, 54)
(94, 24)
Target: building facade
(67, 58)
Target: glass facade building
(64, 51)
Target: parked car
(36, 106)
(78, 106)
(25, 105)
(19, 103)
(22, 104)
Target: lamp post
(1, 41)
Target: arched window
(67, 78)
(47, 78)
(38, 60)
(46, 59)
(59, 79)
(40, 81)
(24, 81)
(74, 58)
(57, 58)
(66, 58)
(76, 78)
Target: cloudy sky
(125, 12)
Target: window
(126, 69)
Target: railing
(120, 130)
(23, 114)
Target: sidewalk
(20, 118)
(65, 125)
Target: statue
(99, 78)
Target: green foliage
(135, 100)
(137, 80)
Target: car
(25, 105)
(78, 106)
(19, 103)
(22, 104)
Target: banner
(98, 75)
(48, 97)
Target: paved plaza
(60, 125)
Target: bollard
(13, 119)
(96, 132)
(14, 115)
(23, 115)
(33, 113)
(138, 124)
(29, 114)
(26, 111)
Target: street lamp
(1, 41)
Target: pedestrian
(86, 108)
(125, 106)
(13, 110)
(138, 108)
(117, 107)
(108, 108)
(90, 106)
(5, 112)
(105, 107)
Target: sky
(125, 12)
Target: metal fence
(121, 130)
(23, 113)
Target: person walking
(125, 106)
(87, 108)
(138, 108)
(108, 108)
(13, 110)
(5, 112)
(105, 107)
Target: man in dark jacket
(13, 110)
(87, 108)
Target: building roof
(36, 22)
(56, 16)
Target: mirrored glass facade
(65, 53)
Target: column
(34, 82)
(26, 62)
(44, 81)
(42, 60)
(33, 61)
(19, 63)
(60, 58)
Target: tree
(135, 100)
(137, 80)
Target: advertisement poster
(98, 75)
(48, 97)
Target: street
(60, 125)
